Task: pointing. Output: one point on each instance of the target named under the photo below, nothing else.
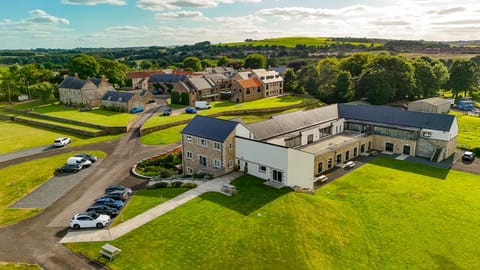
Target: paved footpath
(214, 185)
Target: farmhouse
(75, 91)
(123, 101)
(195, 89)
(432, 105)
(293, 149)
(140, 78)
(164, 83)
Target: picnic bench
(109, 251)
(229, 189)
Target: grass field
(291, 42)
(143, 200)
(468, 130)
(230, 106)
(18, 266)
(20, 179)
(388, 214)
(16, 137)
(95, 116)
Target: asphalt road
(36, 240)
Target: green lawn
(18, 266)
(468, 131)
(20, 179)
(95, 116)
(229, 106)
(388, 214)
(291, 42)
(18, 137)
(143, 200)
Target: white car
(89, 220)
(85, 163)
(59, 142)
(349, 165)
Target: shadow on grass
(412, 167)
(252, 195)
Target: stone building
(75, 91)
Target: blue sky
(121, 23)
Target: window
(189, 155)
(329, 163)
(230, 146)
(277, 176)
(188, 138)
(248, 91)
(217, 146)
(189, 170)
(320, 167)
(217, 163)
(262, 169)
(202, 142)
(310, 138)
(293, 142)
(325, 131)
(362, 148)
(258, 89)
(355, 151)
(427, 134)
(230, 163)
(339, 158)
(202, 160)
(347, 155)
(389, 147)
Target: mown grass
(388, 214)
(20, 179)
(468, 130)
(230, 106)
(95, 116)
(144, 200)
(18, 266)
(16, 137)
(291, 42)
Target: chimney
(76, 75)
(65, 76)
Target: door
(277, 176)
(406, 149)
(389, 147)
(310, 138)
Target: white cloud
(40, 16)
(95, 2)
(160, 5)
(180, 15)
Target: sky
(27, 24)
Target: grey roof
(396, 116)
(210, 128)
(433, 101)
(117, 96)
(290, 122)
(167, 78)
(199, 83)
(72, 82)
(216, 77)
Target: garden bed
(163, 166)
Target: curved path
(36, 240)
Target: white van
(79, 161)
(202, 105)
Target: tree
(355, 63)
(223, 61)
(9, 85)
(290, 81)
(327, 77)
(84, 65)
(43, 91)
(146, 64)
(192, 63)
(425, 80)
(255, 60)
(307, 78)
(344, 90)
(441, 74)
(463, 77)
(113, 70)
(374, 84)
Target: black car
(103, 209)
(109, 202)
(92, 158)
(125, 189)
(70, 168)
(117, 195)
(167, 111)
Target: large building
(292, 149)
(75, 91)
(257, 84)
(431, 105)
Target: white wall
(300, 168)
(242, 131)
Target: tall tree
(463, 77)
(43, 91)
(113, 70)
(374, 84)
(344, 90)
(327, 77)
(193, 63)
(307, 78)
(441, 74)
(355, 63)
(9, 85)
(425, 80)
(223, 61)
(255, 60)
(84, 65)
(290, 81)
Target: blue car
(136, 110)
(108, 202)
(190, 110)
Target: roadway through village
(36, 240)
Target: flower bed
(164, 165)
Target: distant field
(439, 56)
(291, 42)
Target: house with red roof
(140, 78)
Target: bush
(164, 173)
(161, 185)
(189, 185)
(177, 184)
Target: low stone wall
(145, 131)
(62, 128)
(6, 117)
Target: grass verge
(383, 215)
(18, 266)
(468, 130)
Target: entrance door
(277, 176)
(389, 147)
(406, 149)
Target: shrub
(177, 184)
(161, 185)
(189, 185)
(164, 173)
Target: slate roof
(200, 83)
(167, 78)
(210, 128)
(290, 122)
(248, 83)
(435, 101)
(72, 82)
(396, 116)
(117, 96)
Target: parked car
(109, 202)
(322, 178)
(167, 111)
(103, 209)
(202, 105)
(468, 156)
(85, 163)
(349, 165)
(190, 110)
(117, 195)
(92, 158)
(137, 109)
(89, 220)
(70, 168)
(60, 142)
(127, 190)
